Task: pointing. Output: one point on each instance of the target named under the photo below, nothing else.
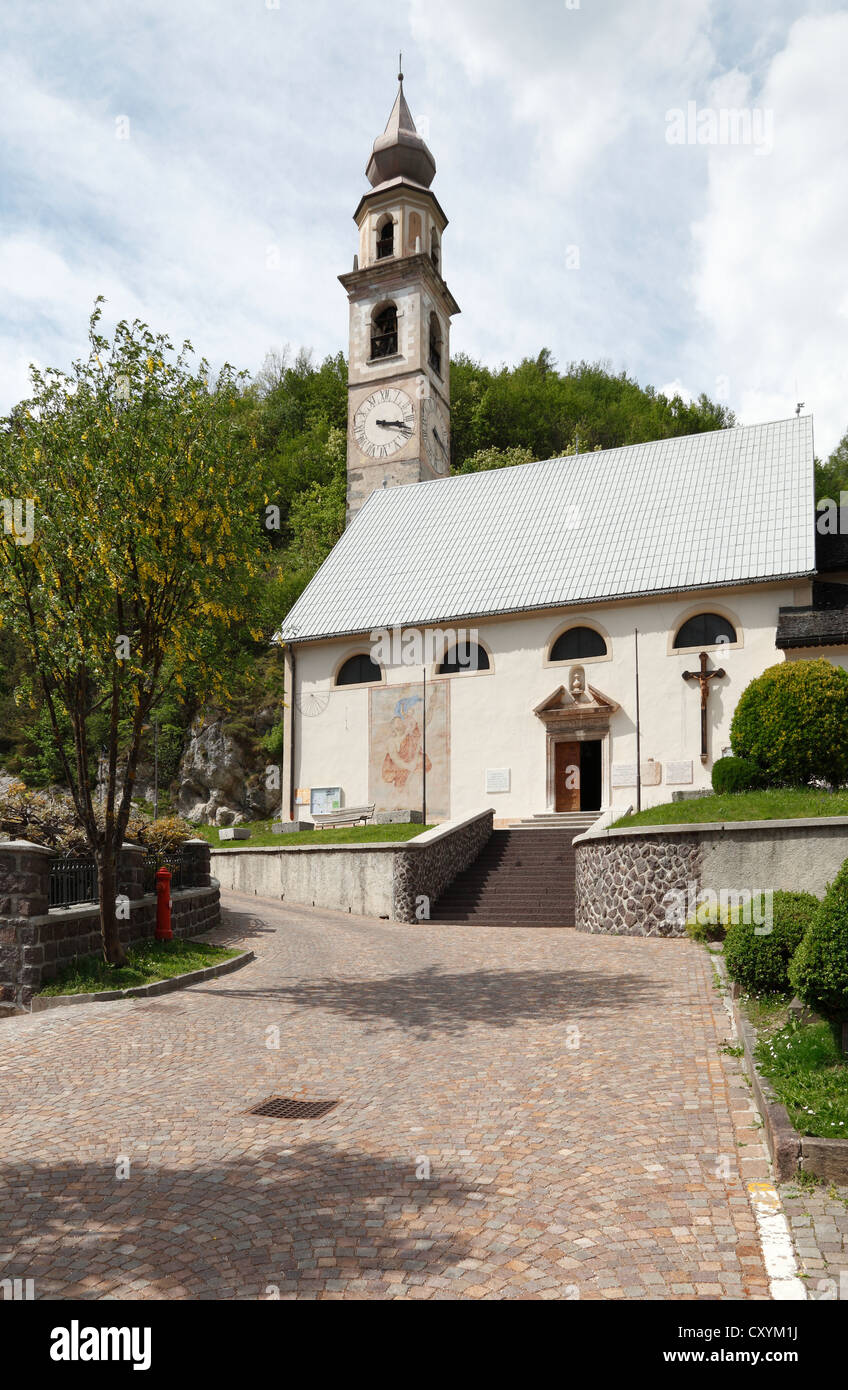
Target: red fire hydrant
(163, 905)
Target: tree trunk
(107, 875)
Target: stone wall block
(426, 871)
(196, 863)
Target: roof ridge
(589, 453)
(718, 510)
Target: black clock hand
(393, 425)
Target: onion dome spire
(400, 151)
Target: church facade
(559, 637)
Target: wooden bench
(351, 815)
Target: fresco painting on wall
(396, 751)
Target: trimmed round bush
(792, 723)
(819, 970)
(760, 964)
(735, 775)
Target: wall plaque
(497, 779)
(679, 773)
(624, 774)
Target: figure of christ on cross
(703, 677)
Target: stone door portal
(577, 727)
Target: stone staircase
(523, 877)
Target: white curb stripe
(776, 1243)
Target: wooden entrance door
(567, 776)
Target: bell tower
(398, 420)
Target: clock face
(435, 428)
(384, 422)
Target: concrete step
(524, 876)
(487, 919)
(560, 817)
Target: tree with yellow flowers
(133, 540)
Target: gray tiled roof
(822, 623)
(812, 627)
(726, 507)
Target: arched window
(464, 656)
(434, 247)
(577, 644)
(435, 344)
(358, 670)
(384, 332)
(386, 239)
(705, 630)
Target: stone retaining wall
(372, 879)
(624, 878)
(35, 942)
(352, 878)
(620, 885)
(427, 865)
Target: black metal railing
(384, 344)
(72, 881)
(173, 862)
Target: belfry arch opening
(384, 331)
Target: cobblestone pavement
(521, 1114)
(818, 1220)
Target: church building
(557, 638)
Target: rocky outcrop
(225, 777)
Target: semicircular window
(359, 670)
(577, 644)
(465, 656)
(705, 630)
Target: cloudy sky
(199, 162)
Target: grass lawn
(147, 962)
(261, 835)
(776, 803)
(806, 1067)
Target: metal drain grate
(284, 1108)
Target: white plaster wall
(491, 713)
(331, 746)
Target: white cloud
(250, 131)
(770, 277)
(676, 388)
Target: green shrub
(819, 971)
(166, 834)
(735, 775)
(761, 963)
(49, 818)
(710, 923)
(706, 931)
(792, 723)
(273, 742)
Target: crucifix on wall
(703, 677)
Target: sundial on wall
(312, 702)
